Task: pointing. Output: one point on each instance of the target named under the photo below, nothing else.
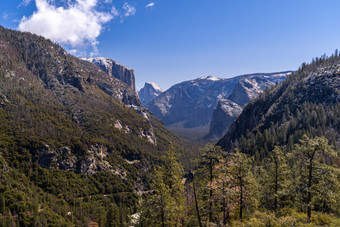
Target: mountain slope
(149, 92)
(307, 102)
(72, 131)
(190, 104)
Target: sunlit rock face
(114, 69)
(149, 92)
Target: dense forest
(65, 160)
(294, 188)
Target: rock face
(114, 69)
(249, 88)
(190, 104)
(149, 92)
(223, 116)
(62, 158)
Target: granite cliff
(149, 92)
(223, 116)
(115, 70)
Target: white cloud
(129, 10)
(25, 2)
(74, 24)
(150, 5)
(73, 51)
(5, 16)
(114, 11)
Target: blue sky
(169, 41)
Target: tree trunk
(197, 209)
(162, 214)
(224, 206)
(210, 192)
(309, 198)
(241, 198)
(276, 185)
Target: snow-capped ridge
(107, 62)
(155, 86)
(210, 77)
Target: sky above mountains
(169, 41)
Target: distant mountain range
(190, 105)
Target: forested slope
(307, 102)
(72, 138)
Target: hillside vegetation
(75, 143)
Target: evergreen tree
(277, 183)
(224, 193)
(112, 216)
(166, 207)
(244, 183)
(205, 177)
(311, 154)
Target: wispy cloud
(5, 16)
(114, 11)
(150, 5)
(129, 10)
(73, 24)
(25, 2)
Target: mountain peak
(210, 77)
(154, 85)
(149, 92)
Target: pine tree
(244, 184)
(204, 178)
(112, 216)
(310, 153)
(166, 207)
(277, 182)
(224, 192)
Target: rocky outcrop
(190, 104)
(114, 69)
(149, 92)
(3, 100)
(223, 116)
(145, 133)
(64, 158)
